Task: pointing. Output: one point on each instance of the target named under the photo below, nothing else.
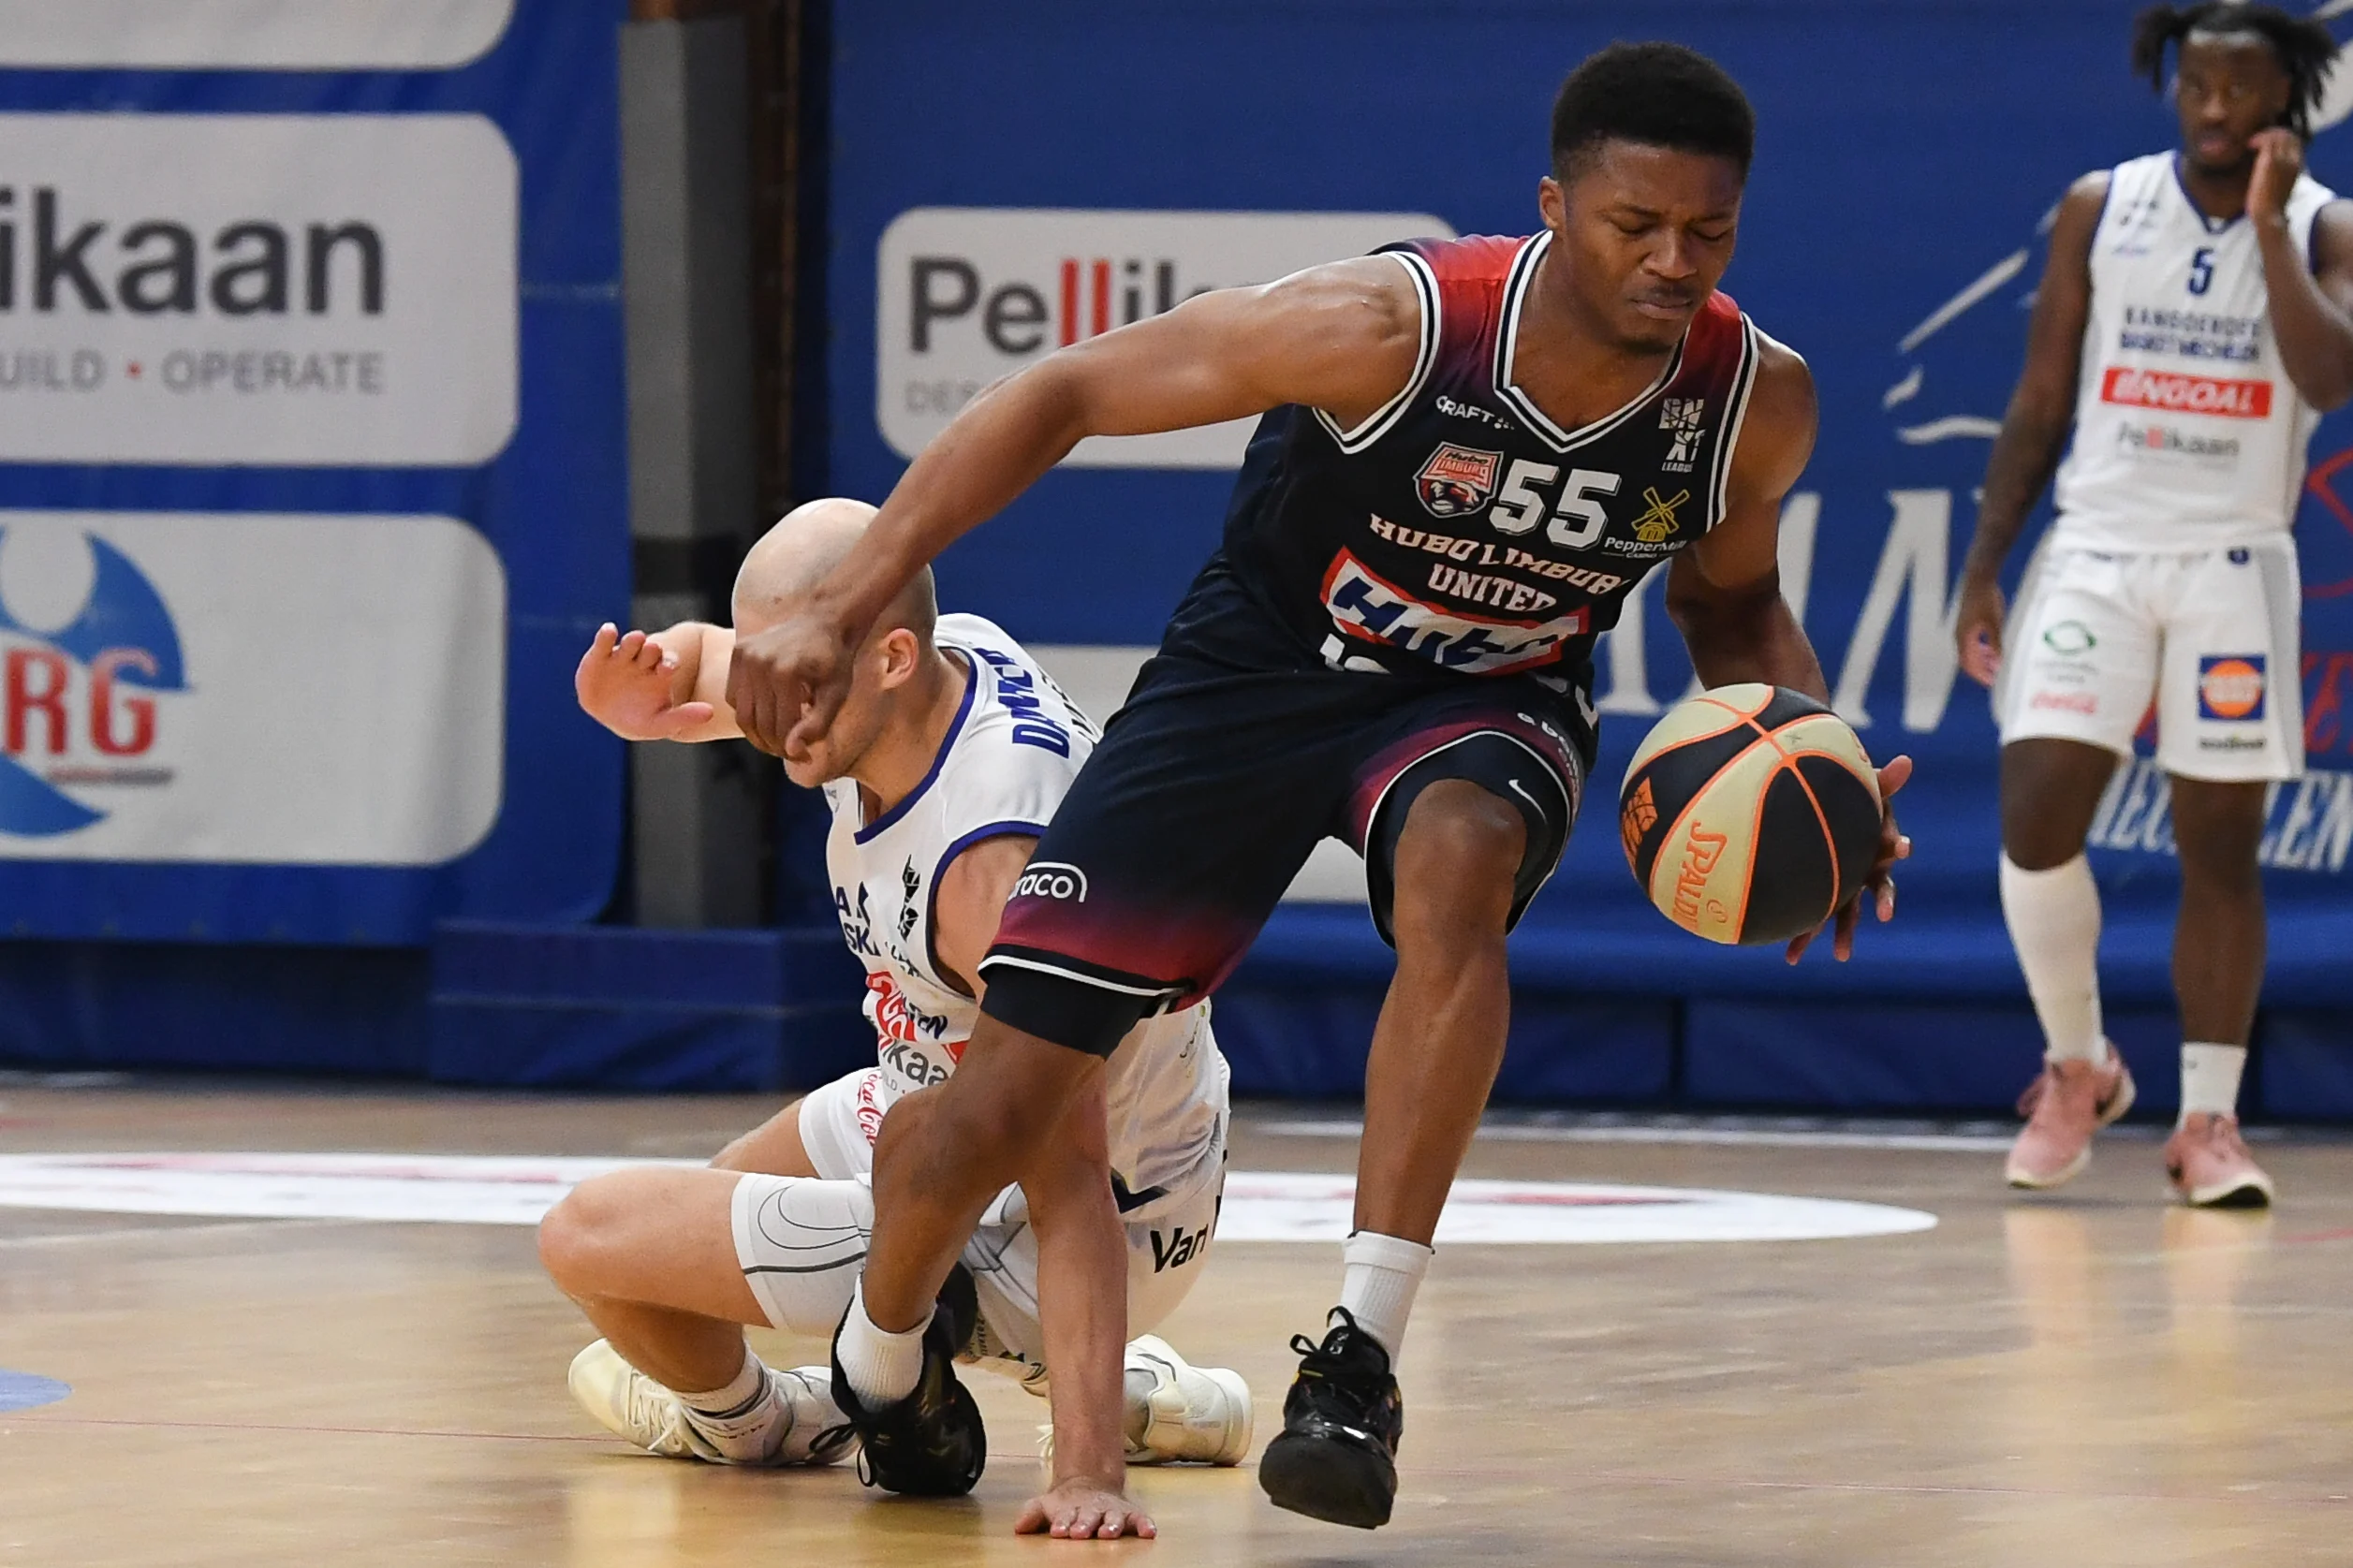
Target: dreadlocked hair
(2304, 46)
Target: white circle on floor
(1260, 1205)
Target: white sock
(2054, 921)
(1378, 1278)
(883, 1368)
(744, 1420)
(2210, 1080)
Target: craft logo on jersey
(1364, 605)
(2230, 686)
(1458, 480)
(1654, 525)
(2187, 394)
(1681, 417)
(80, 715)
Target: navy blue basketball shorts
(1237, 751)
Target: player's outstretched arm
(669, 685)
(1724, 595)
(2035, 426)
(1082, 1311)
(2310, 303)
(1342, 337)
(1082, 1248)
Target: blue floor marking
(23, 1390)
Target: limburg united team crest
(1457, 479)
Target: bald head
(809, 542)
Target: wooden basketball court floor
(2090, 1379)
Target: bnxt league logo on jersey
(79, 694)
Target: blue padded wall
(619, 1007)
(1890, 1056)
(171, 1005)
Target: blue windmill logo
(78, 701)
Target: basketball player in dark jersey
(1471, 451)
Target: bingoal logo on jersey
(1457, 481)
(2187, 394)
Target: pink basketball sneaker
(2064, 1108)
(2210, 1166)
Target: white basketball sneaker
(1178, 1412)
(635, 1408)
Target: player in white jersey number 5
(941, 772)
(2192, 325)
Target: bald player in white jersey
(940, 774)
(2192, 325)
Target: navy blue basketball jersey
(1458, 526)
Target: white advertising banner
(248, 688)
(232, 289)
(254, 35)
(967, 294)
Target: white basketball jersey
(2188, 434)
(1010, 755)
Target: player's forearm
(1082, 1307)
(1749, 636)
(997, 448)
(2314, 337)
(2025, 455)
(702, 651)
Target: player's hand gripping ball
(1750, 814)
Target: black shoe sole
(1326, 1479)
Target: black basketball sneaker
(1336, 1458)
(931, 1443)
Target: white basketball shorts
(789, 1246)
(2212, 637)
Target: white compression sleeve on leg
(800, 1242)
(2054, 921)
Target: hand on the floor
(1879, 885)
(1083, 1511)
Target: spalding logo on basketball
(1750, 814)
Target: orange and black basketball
(1750, 814)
